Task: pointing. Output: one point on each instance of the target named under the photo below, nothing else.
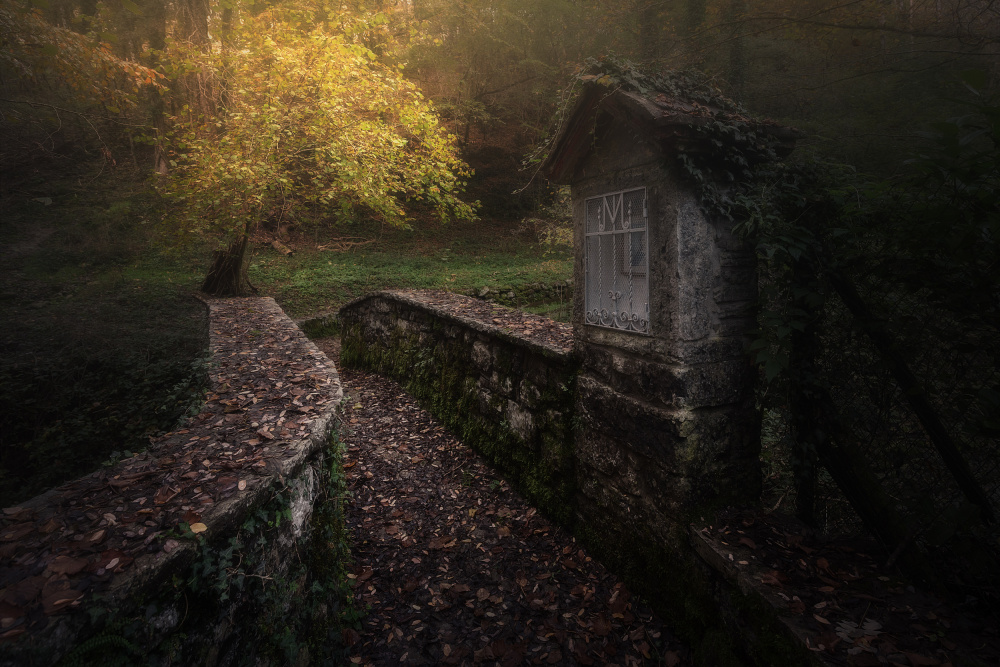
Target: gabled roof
(665, 121)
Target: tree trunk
(736, 72)
(228, 275)
(805, 423)
(156, 35)
(197, 88)
(914, 393)
(649, 32)
(803, 396)
(842, 456)
(692, 23)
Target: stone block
(521, 421)
(529, 395)
(489, 407)
(668, 385)
(649, 430)
(596, 451)
(735, 292)
(481, 356)
(710, 452)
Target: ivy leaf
(132, 7)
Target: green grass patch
(460, 257)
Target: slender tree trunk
(736, 73)
(649, 31)
(804, 398)
(192, 26)
(805, 423)
(842, 456)
(156, 26)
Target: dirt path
(457, 568)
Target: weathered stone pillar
(663, 307)
(668, 420)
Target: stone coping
(537, 333)
(117, 534)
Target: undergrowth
(101, 342)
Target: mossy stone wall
(509, 399)
(531, 410)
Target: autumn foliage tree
(311, 126)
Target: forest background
(396, 143)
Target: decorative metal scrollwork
(616, 280)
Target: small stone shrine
(664, 300)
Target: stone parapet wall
(509, 397)
(80, 563)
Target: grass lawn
(461, 257)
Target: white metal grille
(617, 261)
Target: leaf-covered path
(457, 568)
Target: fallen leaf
(9, 612)
(164, 494)
(50, 526)
(16, 532)
(23, 592)
(57, 602)
(67, 565)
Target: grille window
(617, 262)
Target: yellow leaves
(315, 124)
